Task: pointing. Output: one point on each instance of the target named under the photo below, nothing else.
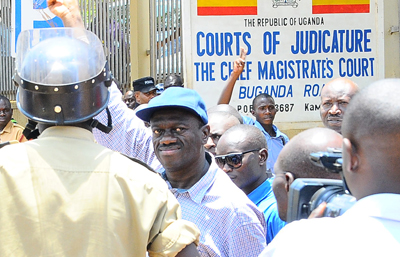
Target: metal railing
(165, 38)
(108, 19)
(7, 87)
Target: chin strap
(30, 131)
(96, 124)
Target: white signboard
(30, 14)
(294, 48)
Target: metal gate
(108, 19)
(7, 87)
(165, 38)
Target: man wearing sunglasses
(230, 224)
(242, 153)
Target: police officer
(63, 194)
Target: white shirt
(370, 228)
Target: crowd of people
(175, 178)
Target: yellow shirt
(64, 195)
(12, 132)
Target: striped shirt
(129, 136)
(230, 224)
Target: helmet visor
(57, 56)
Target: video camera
(306, 194)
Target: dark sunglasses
(234, 160)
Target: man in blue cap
(229, 223)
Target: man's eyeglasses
(234, 160)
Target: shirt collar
(377, 205)
(7, 128)
(258, 194)
(275, 128)
(198, 191)
(67, 132)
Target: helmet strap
(103, 128)
(30, 131)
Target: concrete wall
(140, 38)
(392, 38)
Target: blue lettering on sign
(270, 42)
(224, 43)
(227, 68)
(278, 91)
(336, 41)
(291, 69)
(356, 67)
(204, 71)
(312, 90)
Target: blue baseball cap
(176, 97)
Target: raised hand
(68, 11)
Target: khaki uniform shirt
(64, 195)
(12, 132)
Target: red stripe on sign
(241, 10)
(354, 8)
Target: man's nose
(210, 143)
(335, 109)
(168, 138)
(226, 168)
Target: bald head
(219, 122)
(295, 156)
(371, 128)
(335, 96)
(226, 108)
(294, 162)
(246, 135)
(250, 143)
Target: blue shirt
(129, 136)
(247, 120)
(230, 224)
(264, 198)
(275, 144)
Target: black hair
(6, 100)
(262, 95)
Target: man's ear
(205, 131)
(289, 178)
(263, 156)
(137, 96)
(351, 160)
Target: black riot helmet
(62, 76)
